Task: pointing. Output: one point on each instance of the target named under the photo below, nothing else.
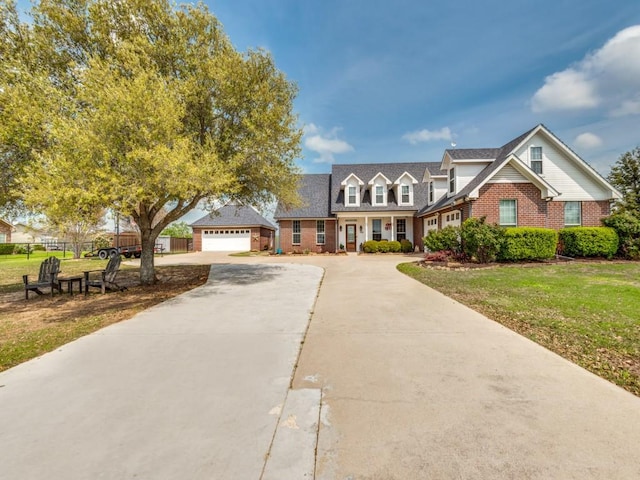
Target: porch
(355, 229)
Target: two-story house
(534, 180)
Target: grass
(587, 312)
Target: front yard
(588, 312)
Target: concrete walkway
(190, 389)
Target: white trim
(407, 174)
(379, 174)
(515, 203)
(346, 180)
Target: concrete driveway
(190, 389)
(394, 381)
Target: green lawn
(587, 312)
(13, 267)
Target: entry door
(351, 238)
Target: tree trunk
(147, 268)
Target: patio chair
(105, 279)
(47, 278)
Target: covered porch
(355, 229)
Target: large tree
(625, 176)
(150, 111)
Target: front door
(351, 238)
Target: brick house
(534, 180)
(5, 231)
(233, 228)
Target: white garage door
(226, 240)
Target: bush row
(387, 246)
(475, 239)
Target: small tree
(625, 176)
(627, 226)
(178, 230)
(447, 238)
(481, 240)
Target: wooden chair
(47, 278)
(106, 280)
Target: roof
(6, 223)
(366, 172)
(314, 192)
(233, 216)
(500, 159)
(473, 153)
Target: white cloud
(326, 145)
(427, 135)
(587, 140)
(608, 78)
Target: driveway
(190, 389)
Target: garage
(226, 240)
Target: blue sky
(384, 81)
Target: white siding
(561, 171)
(508, 174)
(467, 172)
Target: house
(233, 228)
(533, 180)
(5, 231)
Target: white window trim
(294, 233)
(323, 233)
(347, 196)
(375, 195)
(515, 203)
(579, 224)
(410, 194)
(372, 227)
(451, 181)
(431, 192)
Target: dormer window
(352, 195)
(452, 180)
(403, 187)
(379, 195)
(536, 159)
(431, 192)
(404, 194)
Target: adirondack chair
(106, 279)
(47, 278)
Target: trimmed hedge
(6, 248)
(481, 240)
(589, 242)
(528, 243)
(382, 246)
(370, 246)
(447, 238)
(406, 246)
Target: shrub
(38, 248)
(446, 239)
(406, 246)
(481, 240)
(627, 226)
(370, 246)
(383, 246)
(394, 246)
(22, 249)
(439, 256)
(6, 248)
(589, 241)
(528, 243)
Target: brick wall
(418, 233)
(6, 229)
(308, 236)
(594, 212)
(531, 209)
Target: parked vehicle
(109, 252)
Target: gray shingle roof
(473, 153)
(501, 157)
(314, 192)
(366, 172)
(234, 216)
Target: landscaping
(42, 324)
(586, 311)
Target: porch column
(366, 228)
(393, 227)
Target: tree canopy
(625, 176)
(142, 107)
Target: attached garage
(233, 228)
(226, 240)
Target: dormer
(351, 186)
(404, 189)
(379, 186)
(463, 165)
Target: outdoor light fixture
(360, 228)
(340, 227)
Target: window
(377, 229)
(401, 229)
(536, 159)
(404, 194)
(320, 232)
(351, 200)
(572, 214)
(508, 215)
(452, 180)
(431, 192)
(296, 232)
(379, 194)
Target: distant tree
(178, 229)
(625, 176)
(145, 108)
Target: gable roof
(7, 224)
(472, 153)
(370, 170)
(314, 192)
(234, 216)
